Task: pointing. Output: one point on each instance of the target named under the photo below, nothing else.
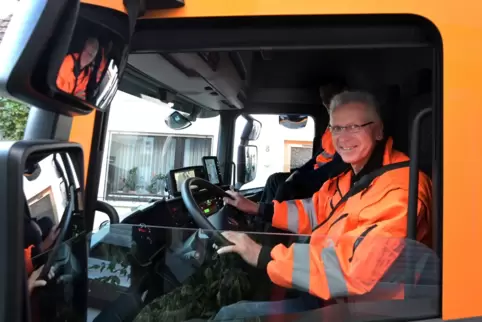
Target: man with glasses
(357, 226)
(307, 179)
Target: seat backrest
(316, 145)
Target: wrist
(254, 209)
(264, 257)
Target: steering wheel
(63, 227)
(215, 221)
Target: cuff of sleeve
(266, 211)
(264, 257)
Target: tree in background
(13, 119)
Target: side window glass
(13, 119)
(279, 148)
(13, 114)
(141, 148)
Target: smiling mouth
(348, 148)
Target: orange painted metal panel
(112, 4)
(82, 132)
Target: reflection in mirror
(251, 154)
(146, 273)
(293, 121)
(53, 202)
(177, 121)
(46, 194)
(255, 131)
(90, 69)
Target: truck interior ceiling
(275, 65)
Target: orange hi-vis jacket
(68, 82)
(27, 254)
(328, 152)
(350, 250)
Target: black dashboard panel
(173, 212)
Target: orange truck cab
(191, 97)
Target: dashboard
(173, 212)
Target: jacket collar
(376, 160)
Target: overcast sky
(7, 7)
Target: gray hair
(360, 97)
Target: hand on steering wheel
(49, 241)
(216, 221)
(238, 201)
(59, 233)
(34, 281)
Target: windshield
(141, 149)
(144, 273)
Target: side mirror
(64, 56)
(45, 194)
(247, 163)
(177, 121)
(251, 130)
(293, 121)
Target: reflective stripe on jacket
(351, 250)
(328, 152)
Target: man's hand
(50, 239)
(240, 202)
(34, 282)
(247, 248)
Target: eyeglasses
(354, 128)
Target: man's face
(89, 53)
(355, 131)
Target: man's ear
(379, 132)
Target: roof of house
(3, 26)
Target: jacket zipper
(359, 240)
(337, 220)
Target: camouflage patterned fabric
(218, 283)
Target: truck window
(13, 119)
(140, 149)
(279, 149)
(13, 114)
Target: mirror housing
(39, 39)
(293, 121)
(177, 121)
(251, 130)
(247, 163)
(14, 158)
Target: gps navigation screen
(212, 171)
(181, 176)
